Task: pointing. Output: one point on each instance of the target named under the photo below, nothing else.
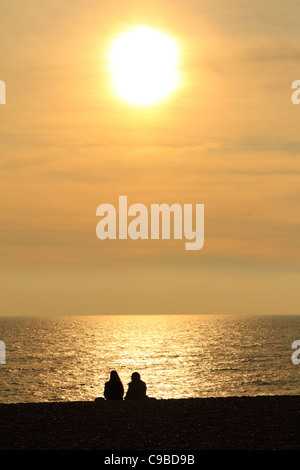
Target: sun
(143, 65)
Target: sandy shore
(191, 424)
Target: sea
(69, 358)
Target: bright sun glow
(143, 64)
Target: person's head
(114, 375)
(135, 376)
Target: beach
(263, 422)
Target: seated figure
(136, 388)
(113, 389)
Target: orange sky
(228, 138)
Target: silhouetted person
(136, 388)
(113, 389)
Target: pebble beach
(235, 423)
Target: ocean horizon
(69, 358)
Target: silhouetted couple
(114, 389)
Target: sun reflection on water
(70, 358)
